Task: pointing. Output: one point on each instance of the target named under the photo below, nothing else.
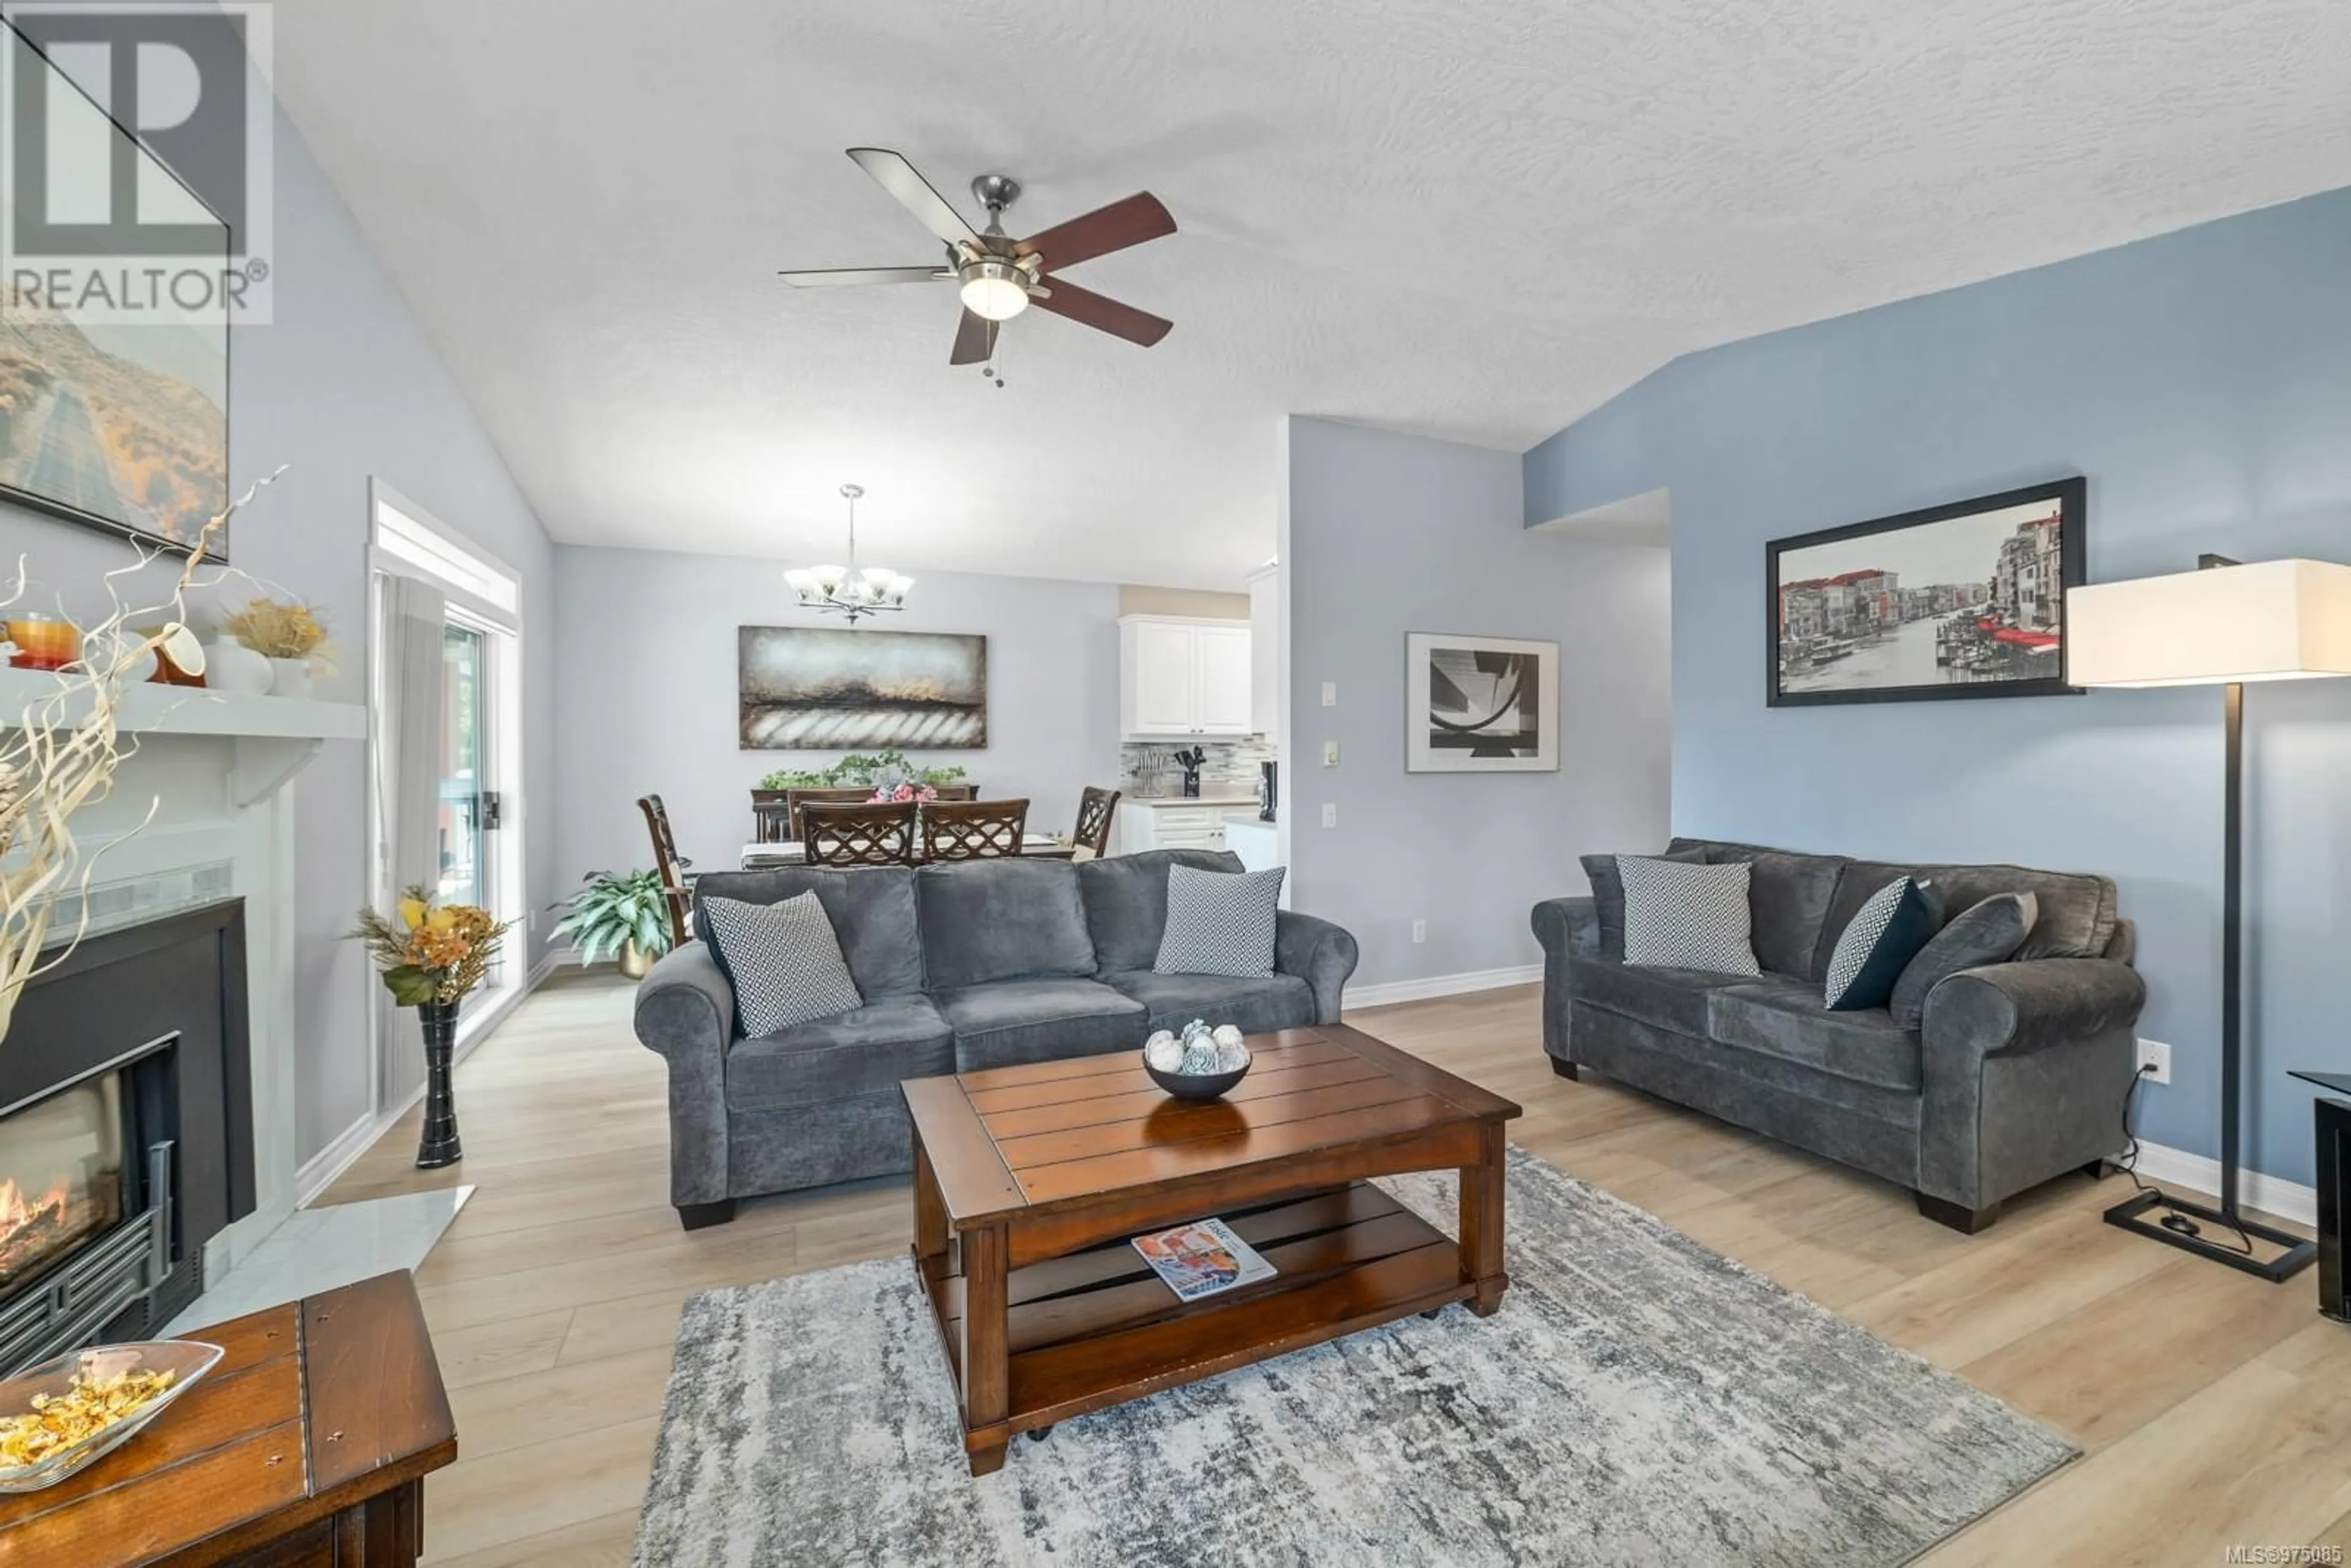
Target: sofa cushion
(1220, 922)
(1789, 895)
(1012, 1021)
(1666, 998)
(871, 909)
(1608, 895)
(1989, 932)
(1126, 902)
(865, 1052)
(782, 961)
(1788, 1018)
(1687, 916)
(1001, 920)
(1879, 942)
(2076, 912)
(1253, 1006)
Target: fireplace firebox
(125, 1132)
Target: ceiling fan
(1000, 276)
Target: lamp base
(2298, 1253)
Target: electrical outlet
(1420, 930)
(1329, 813)
(2155, 1054)
(1329, 753)
(1329, 694)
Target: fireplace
(125, 1132)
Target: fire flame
(15, 1212)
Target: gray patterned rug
(1637, 1400)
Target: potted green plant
(622, 915)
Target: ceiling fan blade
(1100, 312)
(975, 340)
(843, 277)
(1106, 229)
(897, 176)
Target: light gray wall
(646, 699)
(342, 386)
(2203, 382)
(1387, 534)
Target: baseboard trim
(1436, 986)
(2160, 1166)
(318, 1173)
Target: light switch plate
(1329, 753)
(1329, 813)
(1329, 694)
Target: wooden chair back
(843, 832)
(771, 820)
(1093, 833)
(795, 799)
(675, 890)
(973, 830)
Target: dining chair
(973, 830)
(1092, 835)
(861, 833)
(677, 891)
(795, 799)
(772, 821)
(956, 791)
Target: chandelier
(847, 590)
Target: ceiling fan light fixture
(995, 290)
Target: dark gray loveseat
(2017, 1075)
(982, 964)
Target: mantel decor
(432, 958)
(1966, 600)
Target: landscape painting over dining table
(1966, 600)
(807, 689)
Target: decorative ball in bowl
(1202, 1064)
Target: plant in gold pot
(288, 633)
(431, 958)
(621, 916)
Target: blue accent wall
(2201, 380)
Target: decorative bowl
(1197, 1085)
(188, 1359)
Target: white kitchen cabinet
(1265, 653)
(1171, 824)
(1181, 679)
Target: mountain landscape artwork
(810, 689)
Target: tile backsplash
(1231, 767)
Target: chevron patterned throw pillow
(783, 960)
(1681, 916)
(1220, 922)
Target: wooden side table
(307, 1445)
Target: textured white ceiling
(1458, 217)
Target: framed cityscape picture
(1480, 704)
(1962, 601)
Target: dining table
(787, 852)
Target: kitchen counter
(1200, 799)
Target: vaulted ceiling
(1461, 218)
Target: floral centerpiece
(431, 959)
(900, 794)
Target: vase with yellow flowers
(432, 957)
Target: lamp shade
(2267, 621)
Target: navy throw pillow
(1884, 935)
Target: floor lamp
(2223, 625)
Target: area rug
(1637, 1399)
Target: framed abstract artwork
(1480, 704)
(814, 689)
(1959, 600)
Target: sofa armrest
(685, 1011)
(1318, 952)
(2021, 1007)
(1568, 927)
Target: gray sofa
(982, 964)
(2016, 1074)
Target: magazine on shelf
(1202, 1258)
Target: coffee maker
(1268, 790)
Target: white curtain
(411, 637)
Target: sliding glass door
(466, 869)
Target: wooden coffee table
(1029, 1181)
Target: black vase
(439, 1145)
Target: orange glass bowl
(43, 643)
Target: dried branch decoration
(61, 756)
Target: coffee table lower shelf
(1097, 1328)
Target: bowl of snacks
(58, 1416)
(1200, 1064)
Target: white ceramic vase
(289, 677)
(231, 666)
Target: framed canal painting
(1480, 704)
(1962, 601)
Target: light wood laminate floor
(2216, 1410)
